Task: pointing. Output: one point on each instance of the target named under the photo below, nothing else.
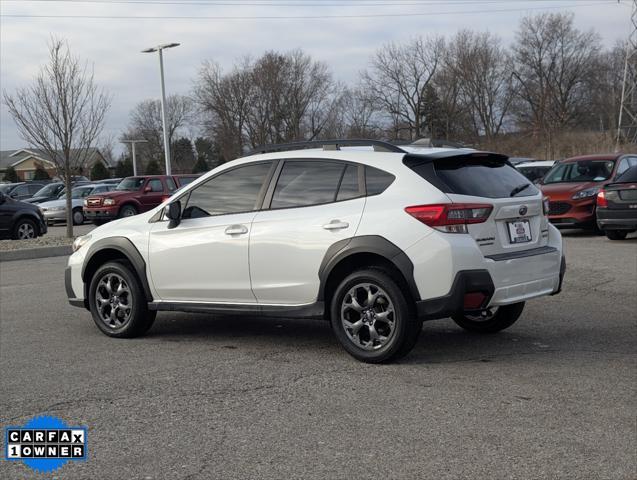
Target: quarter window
(170, 183)
(377, 180)
(234, 191)
(304, 183)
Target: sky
(110, 34)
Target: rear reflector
(601, 199)
(451, 217)
(473, 300)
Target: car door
(205, 257)
(152, 194)
(314, 204)
(7, 210)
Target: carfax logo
(45, 443)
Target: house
(25, 161)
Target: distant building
(25, 161)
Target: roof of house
(12, 157)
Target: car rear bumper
(617, 219)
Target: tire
(127, 211)
(78, 216)
(391, 313)
(502, 318)
(616, 234)
(126, 322)
(25, 229)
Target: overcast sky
(346, 43)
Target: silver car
(55, 210)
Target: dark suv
(20, 220)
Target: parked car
(55, 210)
(20, 220)
(617, 206)
(572, 186)
(110, 181)
(375, 241)
(131, 196)
(47, 193)
(518, 160)
(536, 170)
(20, 190)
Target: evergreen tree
(124, 168)
(10, 175)
(99, 171)
(40, 173)
(201, 166)
(207, 150)
(184, 154)
(153, 168)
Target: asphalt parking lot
(219, 397)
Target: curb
(37, 252)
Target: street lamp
(160, 48)
(133, 142)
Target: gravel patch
(45, 241)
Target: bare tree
(398, 77)
(483, 71)
(553, 63)
(62, 113)
(146, 123)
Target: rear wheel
(616, 234)
(78, 216)
(491, 320)
(25, 229)
(117, 301)
(372, 318)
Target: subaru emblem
(523, 210)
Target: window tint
(349, 184)
(580, 171)
(34, 188)
(625, 164)
(170, 183)
(155, 185)
(234, 191)
(304, 183)
(130, 184)
(376, 180)
(629, 176)
(22, 190)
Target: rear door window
(349, 184)
(155, 185)
(304, 183)
(475, 176)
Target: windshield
(78, 193)
(47, 191)
(581, 171)
(132, 183)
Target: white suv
(376, 241)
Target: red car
(133, 195)
(571, 187)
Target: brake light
(451, 217)
(601, 199)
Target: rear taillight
(601, 199)
(451, 217)
(546, 206)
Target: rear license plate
(519, 231)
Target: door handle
(236, 230)
(335, 225)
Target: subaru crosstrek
(374, 241)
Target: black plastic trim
(67, 283)
(562, 272)
(126, 247)
(378, 145)
(313, 310)
(498, 257)
(366, 244)
(466, 281)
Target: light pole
(160, 48)
(133, 142)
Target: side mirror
(173, 213)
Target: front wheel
(25, 229)
(127, 211)
(491, 320)
(78, 216)
(372, 317)
(616, 234)
(117, 301)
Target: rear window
(476, 176)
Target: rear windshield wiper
(518, 189)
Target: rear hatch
(480, 180)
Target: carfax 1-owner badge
(45, 443)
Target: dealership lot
(219, 397)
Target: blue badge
(45, 443)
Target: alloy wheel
(114, 300)
(368, 316)
(26, 231)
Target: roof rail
(334, 144)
